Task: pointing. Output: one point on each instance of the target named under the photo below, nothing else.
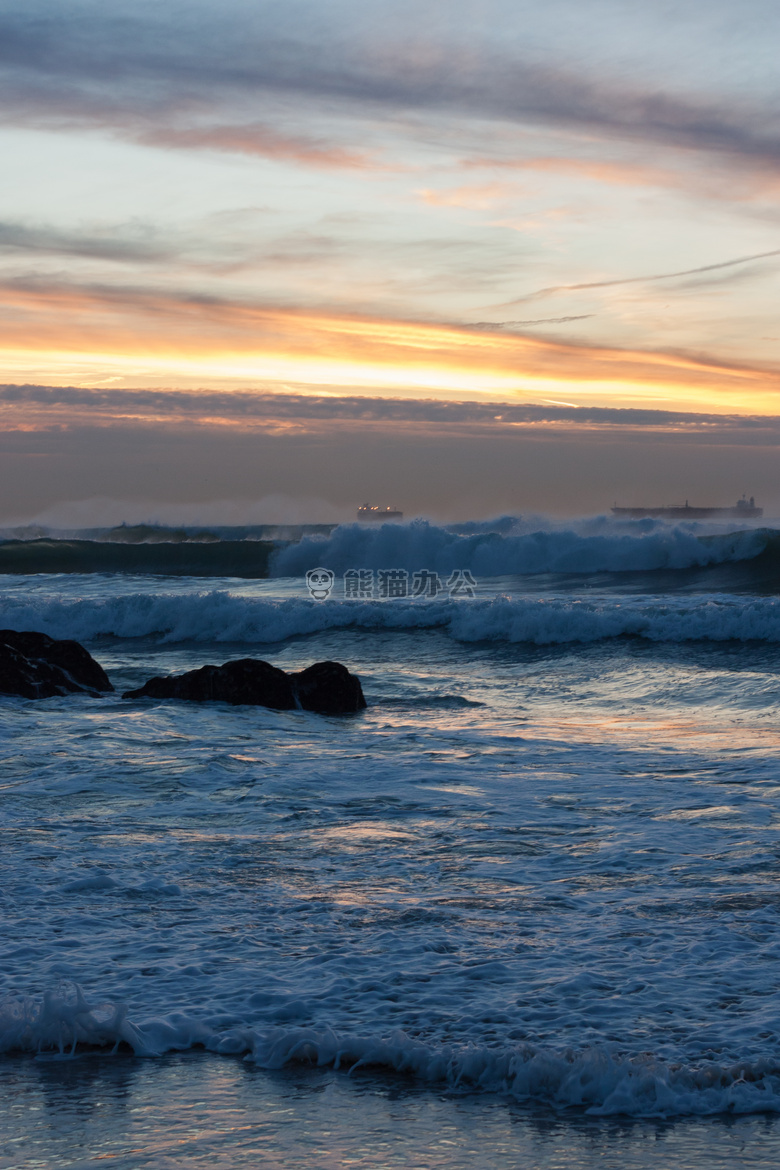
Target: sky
(272, 259)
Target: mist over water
(105, 512)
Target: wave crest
(602, 1080)
(220, 616)
(501, 548)
(589, 548)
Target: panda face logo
(320, 583)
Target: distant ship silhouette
(374, 512)
(743, 510)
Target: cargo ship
(374, 512)
(744, 509)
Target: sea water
(523, 910)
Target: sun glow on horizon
(603, 379)
(79, 335)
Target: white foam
(221, 616)
(584, 547)
(61, 1020)
(598, 1080)
(530, 888)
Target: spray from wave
(491, 553)
(506, 547)
(108, 512)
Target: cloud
(262, 141)
(704, 268)
(245, 407)
(719, 180)
(115, 245)
(211, 336)
(156, 70)
(621, 173)
(452, 459)
(478, 197)
(528, 324)
(217, 245)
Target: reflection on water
(204, 1111)
(517, 852)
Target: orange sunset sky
(216, 219)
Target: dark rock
(36, 666)
(246, 680)
(325, 687)
(329, 688)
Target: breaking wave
(598, 1080)
(589, 547)
(220, 616)
(584, 547)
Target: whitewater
(531, 891)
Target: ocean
(521, 911)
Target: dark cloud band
(184, 75)
(277, 407)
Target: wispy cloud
(230, 245)
(254, 138)
(703, 268)
(599, 161)
(529, 324)
(115, 244)
(479, 196)
(622, 173)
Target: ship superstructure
(373, 512)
